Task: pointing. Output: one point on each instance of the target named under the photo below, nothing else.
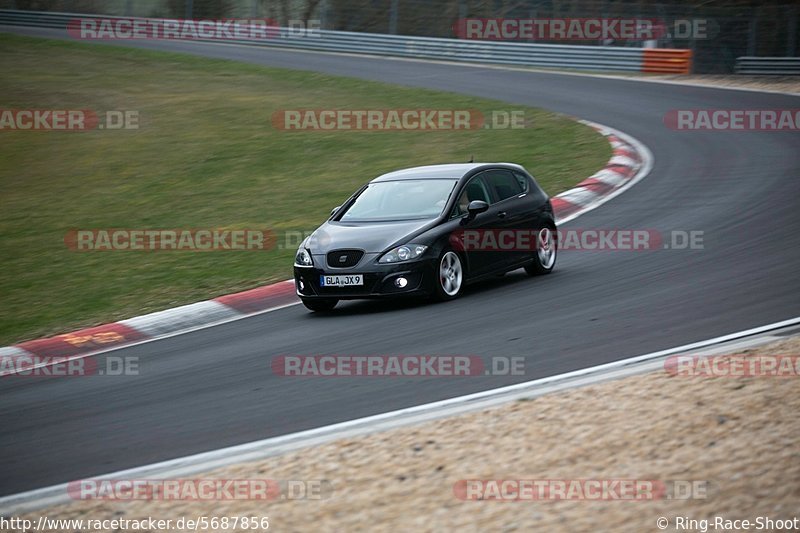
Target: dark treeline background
(735, 27)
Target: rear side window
(503, 184)
(522, 179)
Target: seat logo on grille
(342, 258)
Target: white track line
(57, 494)
(252, 451)
(647, 165)
(633, 78)
(49, 362)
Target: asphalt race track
(214, 387)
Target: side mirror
(333, 211)
(476, 207)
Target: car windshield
(401, 200)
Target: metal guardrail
(773, 66)
(595, 58)
(659, 60)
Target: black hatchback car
(428, 231)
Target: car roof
(453, 171)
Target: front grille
(344, 258)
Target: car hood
(372, 237)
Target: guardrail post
(752, 36)
(462, 13)
(324, 14)
(189, 9)
(393, 17)
(692, 45)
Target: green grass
(205, 155)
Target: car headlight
(403, 253)
(303, 258)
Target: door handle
(502, 214)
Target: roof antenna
(472, 159)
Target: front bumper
(379, 279)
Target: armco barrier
(771, 66)
(667, 61)
(597, 58)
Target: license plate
(347, 280)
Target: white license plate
(347, 280)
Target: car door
(515, 216)
(480, 260)
(485, 254)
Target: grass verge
(205, 155)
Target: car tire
(320, 304)
(544, 260)
(450, 275)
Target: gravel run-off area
(739, 436)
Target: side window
(522, 179)
(503, 183)
(476, 189)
